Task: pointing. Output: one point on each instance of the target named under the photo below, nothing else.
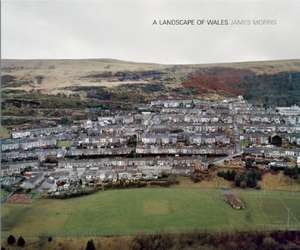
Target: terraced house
(174, 136)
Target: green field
(4, 133)
(151, 209)
(64, 143)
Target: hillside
(48, 90)
(54, 76)
(281, 88)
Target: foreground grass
(150, 210)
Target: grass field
(64, 144)
(4, 133)
(151, 209)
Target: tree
(65, 120)
(292, 172)
(249, 163)
(21, 242)
(228, 175)
(276, 140)
(90, 245)
(11, 240)
(39, 79)
(237, 180)
(132, 141)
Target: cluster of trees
(7, 188)
(100, 93)
(76, 192)
(171, 180)
(283, 89)
(293, 173)
(247, 179)
(228, 175)
(163, 182)
(73, 193)
(226, 240)
(66, 120)
(125, 184)
(11, 240)
(186, 91)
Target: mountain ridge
(264, 82)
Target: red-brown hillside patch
(19, 199)
(224, 80)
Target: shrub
(229, 175)
(292, 172)
(152, 242)
(90, 245)
(11, 240)
(248, 179)
(21, 242)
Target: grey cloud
(123, 29)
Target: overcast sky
(123, 29)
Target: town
(163, 137)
